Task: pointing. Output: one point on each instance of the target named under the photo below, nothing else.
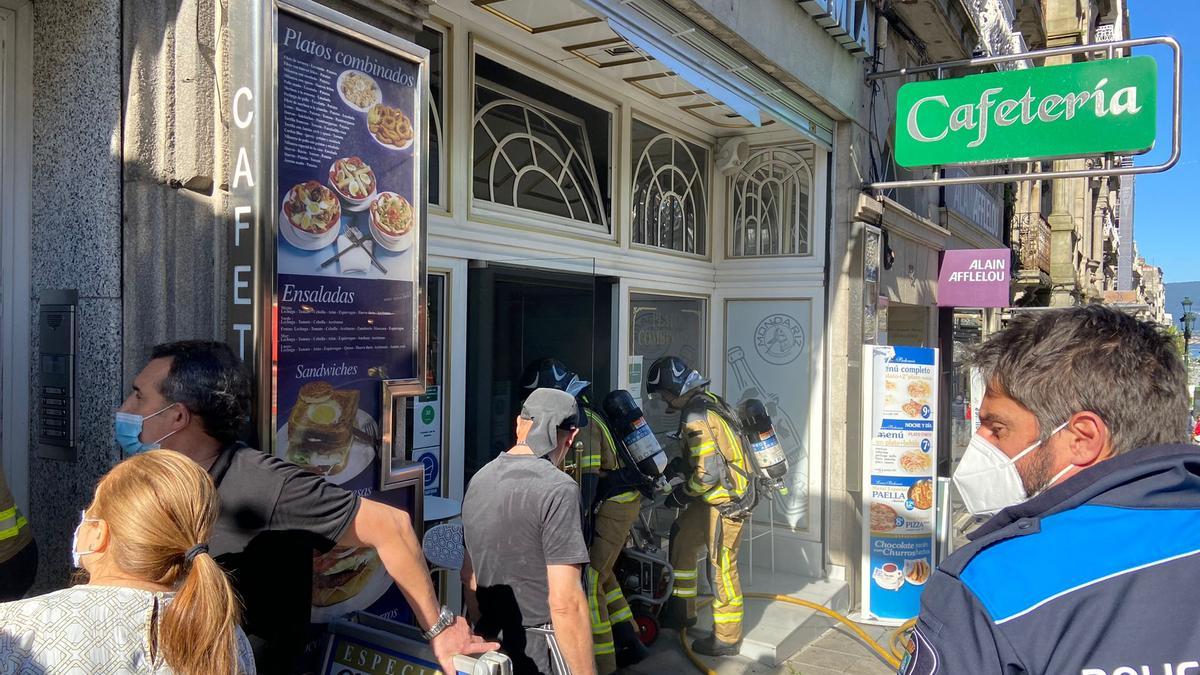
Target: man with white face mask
(1089, 564)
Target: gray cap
(550, 410)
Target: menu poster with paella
(900, 432)
(348, 165)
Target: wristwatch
(445, 620)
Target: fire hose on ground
(891, 655)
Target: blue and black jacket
(1099, 575)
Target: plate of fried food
(390, 127)
(917, 571)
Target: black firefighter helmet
(551, 373)
(672, 375)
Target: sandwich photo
(342, 573)
(321, 428)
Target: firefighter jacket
(720, 469)
(1095, 576)
(14, 529)
(597, 455)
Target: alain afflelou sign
(1086, 108)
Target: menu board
(900, 399)
(348, 198)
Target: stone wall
(130, 204)
(76, 243)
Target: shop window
(537, 156)
(434, 40)
(772, 205)
(666, 325)
(670, 191)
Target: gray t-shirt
(520, 514)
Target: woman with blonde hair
(155, 602)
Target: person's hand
(678, 498)
(458, 639)
(678, 466)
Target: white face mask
(987, 479)
(77, 555)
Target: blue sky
(1166, 210)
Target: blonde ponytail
(160, 507)
(199, 625)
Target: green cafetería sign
(1057, 111)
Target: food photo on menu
(327, 433)
(348, 168)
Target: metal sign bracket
(1106, 169)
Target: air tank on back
(636, 441)
(768, 454)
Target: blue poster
(900, 430)
(348, 160)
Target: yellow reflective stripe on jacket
(13, 530)
(624, 497)
(613, 595)
(624, 614)
(685, 574)
(7, 514)
(606, 454)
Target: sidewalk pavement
(837, 652)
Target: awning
(692, 74)
(709, 64)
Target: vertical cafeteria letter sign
(249, 175)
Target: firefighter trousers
(700, 526)
(606, 602)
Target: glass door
(520, 311)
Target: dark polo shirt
(273, 517)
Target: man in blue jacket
(1091, 563)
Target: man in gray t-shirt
(525, 545)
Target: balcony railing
(1031, 241)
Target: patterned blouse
(89, 630)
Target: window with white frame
(538, 149)
(771, 205)
(670, 191)
(434, 39)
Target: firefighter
(610, 505)
(715, 499)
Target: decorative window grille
(529, 155)
(670, 191)
(434, 40)
(772, 205)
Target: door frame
(16, 151)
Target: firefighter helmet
(672, 375)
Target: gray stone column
(76, 243)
